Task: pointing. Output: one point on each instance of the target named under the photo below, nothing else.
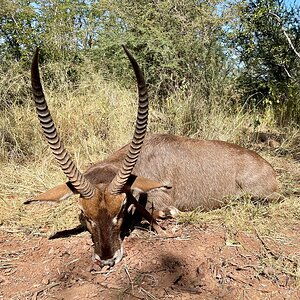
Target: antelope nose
(108, 262)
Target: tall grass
(93, 117)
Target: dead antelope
(201, 173)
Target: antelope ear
(140, 184)
(56, 194)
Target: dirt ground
(191, 262)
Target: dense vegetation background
(215, 69)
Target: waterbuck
(171, 172)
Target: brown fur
(201, 172)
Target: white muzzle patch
(109, 262)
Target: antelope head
(103, 205)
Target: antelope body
(201, 173)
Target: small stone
(112, 286)
(45, 281)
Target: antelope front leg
(135, 205)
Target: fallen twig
(129, 277)
(231, 276)
(133, 296)
(245, 267)
(44, 288)
(268, 249)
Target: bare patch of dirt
(190, 262)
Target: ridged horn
(80, 183)
(132, 155)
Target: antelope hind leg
(170, 212)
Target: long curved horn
(80, 183)
(132, 155)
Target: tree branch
(285, 33)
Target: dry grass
(97, 117)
